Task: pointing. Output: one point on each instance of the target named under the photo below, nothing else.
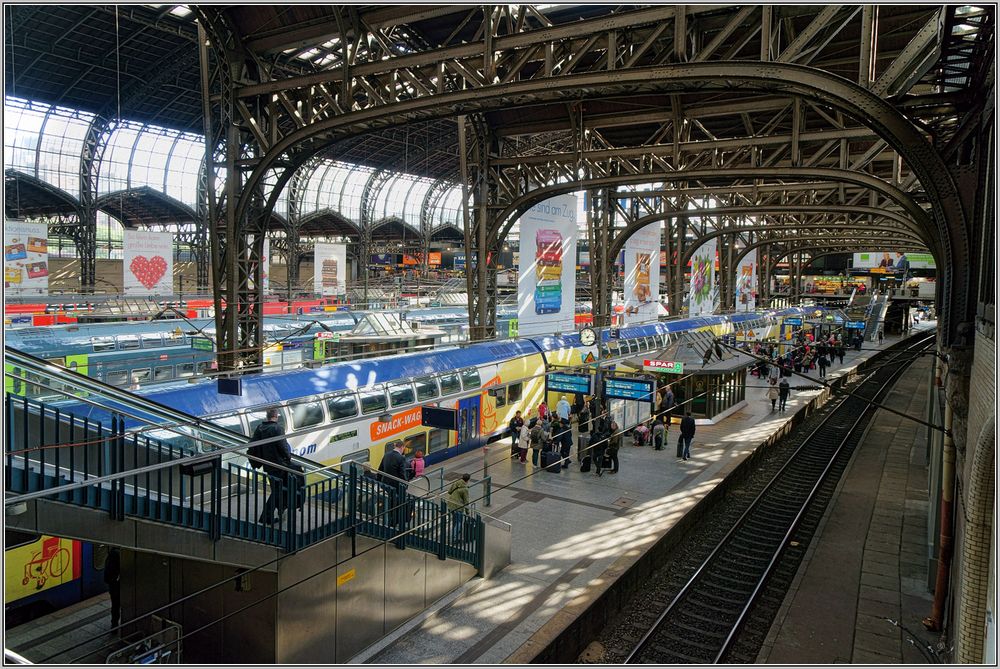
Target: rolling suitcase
(550, 460)
(585, 464)
(680, 446)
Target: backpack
(536, 436)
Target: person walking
(274, 456)
(783, 389)
(881, 336)
(840, 351)
(687, 434)
(113, 578)
(457, 500)
(563, 408)
(823, 364)
(565, 442)
(666, 403)
(659, 433)
(515, 431)
(614, 445)
(772, 394)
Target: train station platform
(868, 563)
(574, 534)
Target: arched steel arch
(765, 210)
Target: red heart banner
(148, 270)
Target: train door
(468, 423)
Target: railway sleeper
(677, 656)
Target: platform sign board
(546, 283)
(701, 299)
(569, 383)
(793, 320)
(855, 325)
(25, 258)
(642, 275)
(329, 269)
(445, 419)
(148, 262)
(629, 389)
(663, 366)
(746, 282)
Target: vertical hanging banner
(701, 299)
(25, 258)
(148, 262)
(265, 267)
(642, 275)
(330, 269)
(746, 283)
(546, 284)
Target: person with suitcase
(550, 457)
(614, 445)
(583, 425)
(599, 443)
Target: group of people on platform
(548, 435)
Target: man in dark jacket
(687, 434)
(515, 431)
(783, 389)
(394, 464)
(565, 442)
(274, 451)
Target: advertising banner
(25, 258)
(701, 299)
(642, 275)
(890, 261)
(546, 285)
(265, 267)
(746, 283)
(330, 269)
(148, 262)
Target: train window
(470, 378)
(449, 384)
(202, 367)
(185, 369)
(231, 422)
(436, 440)
(372, 401)
(414, 443)
(426, 389)
(141, 375)
(342, 406)
(13, 538)
(360, 457)
(401, 393)
(116, 378)
(514, 392)
(306, 414)
(128, 342)
(500, 395)
(103, 344)
(151, 340)
(163, 373)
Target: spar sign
(663, 366)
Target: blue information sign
(855, 325)
(571, 383)
(628, 389)
(793, 321)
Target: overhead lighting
(181, 11)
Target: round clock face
(588, 337)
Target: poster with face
(148, 263)
(546, 285)
(330, 269)
(746, 282)
(701, 299)
(25, 258)
(642, 275)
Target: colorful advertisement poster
(25, 258)
(148, 264)
(330, 269)
(642, 275)
(746, 283)
(701, 299)
(546, 285)
(890, 260)
(265, 267)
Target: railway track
(722, 612)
